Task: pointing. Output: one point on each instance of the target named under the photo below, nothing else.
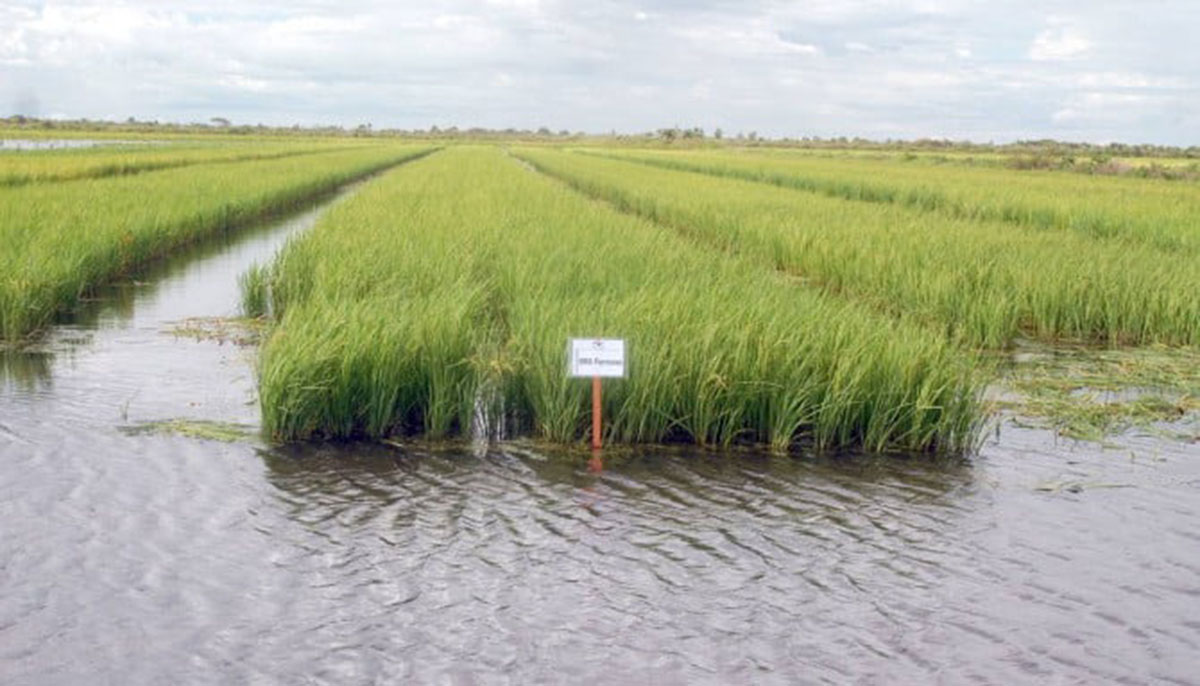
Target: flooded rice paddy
(141, 556)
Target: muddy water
(141, 558)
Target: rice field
(768, 297)
(1129, 211)
(447, 289)
(63, 238)
(18, 168)
(981, 282)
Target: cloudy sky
(1094, 70)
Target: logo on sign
(601, 357)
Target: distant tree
(718, 133)
(220, 121)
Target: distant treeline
(1042, 153)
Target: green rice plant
(60, 240)
(453, 284)
(1134, 211)
(254, 285)
(982, 283)
(18, 168)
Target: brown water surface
(140, 558)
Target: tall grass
(18, 168)
(983, 283)
(1130, 211)
(456, 282)
(62, 239)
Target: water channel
(18, 144)
(138, 557)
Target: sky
(995, 70)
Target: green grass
(65, 238)
(982, 283)
(22, 167)
(456, 281)
(1132, 211)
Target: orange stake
(596, 413)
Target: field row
(980, 282)
(42, 166)
(446, 290)
(62, 239)
(1153, 212)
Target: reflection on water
(26, 370)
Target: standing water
(64, 143)
(135, 556)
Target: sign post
(597, 358)
(596, 412)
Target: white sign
(596, 357)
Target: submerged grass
(224, 432)
(981, 282)
(63, 239)
(240, 331)
(454, 283)
(1091, 394)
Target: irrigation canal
(135, 556)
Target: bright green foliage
(450, 287)
(62, 239)
(1154, 212)
(981, 282)
(38, 166)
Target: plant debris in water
(241, 331)
(225, 432)
(1090, 394)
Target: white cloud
(830, 67)
(1064, 43)
(1115, 79)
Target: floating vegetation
(1090, 394)
(225, 432)
(1067, 486)
(240, 331)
